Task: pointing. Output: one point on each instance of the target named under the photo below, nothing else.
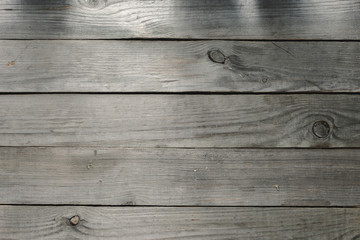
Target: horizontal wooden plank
(32, 222)
(317, 121)
(215, 19)
(178, 66)
(192, 177)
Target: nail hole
(217, 56)
(321, 129)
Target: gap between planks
(172, 206)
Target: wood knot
(321, 129)
(216, 56)
(96, 4)
(74, 220)
(11, 63)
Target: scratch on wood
(288, 52)
(59, 8)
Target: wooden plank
(201, 19)
(317, 121)
(178, 66)
(39, 222)
(191, 177)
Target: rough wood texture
(158, 66)
(241, 19)
(206, 177)
(26, 222)
(318, 121)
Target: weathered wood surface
(32, 222)
(158, 66)
(215, 19)
(196, 177)
(318, 121)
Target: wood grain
(191, 177)
(26, 222)
(178, 66)
(201, 19)
(180, 120)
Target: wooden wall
(165, 119)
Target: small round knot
(95, 4)
(321, 129)
(217, 56)
(74, 220)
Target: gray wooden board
(191, 177)
(180, 120)
(241, 19)
(41, 222)
(178, 66)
